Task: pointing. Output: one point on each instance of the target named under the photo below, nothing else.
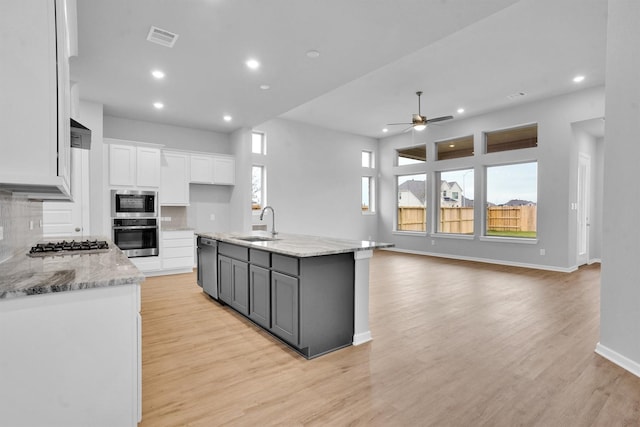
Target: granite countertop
(297, 245)
(22, 275)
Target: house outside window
(455, 213)
(411, 203)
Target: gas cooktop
(65, 247)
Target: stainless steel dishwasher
(207, 266)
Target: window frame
(263, 189)
(486, 134)
(437, 220)
(396, 230)
(263, 143)
(415, 162)
(371, 163)
(485, 216)
(450, 141)
(371, 194)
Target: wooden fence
(456, 220)
(460, 220)
(411, 219)
(511, 218)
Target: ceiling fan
(418, 121)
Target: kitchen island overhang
(349, 280)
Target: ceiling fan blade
(393, 124)
(407, 129)
(439, 119)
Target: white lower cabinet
(149, 265)
(71, 358)
(177, 250)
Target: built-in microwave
(134, 204)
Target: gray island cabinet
(301, 289)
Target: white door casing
(70, 219)
(583, 214)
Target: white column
(361, 332)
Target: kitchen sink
(257, 239)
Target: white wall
(620, 288)
(172, 136)
(557, 185)
(240, 203)
(314, 180)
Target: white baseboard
(362, 338)
(594, 261)
(488, 261)
(618, 359)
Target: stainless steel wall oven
(136, 237)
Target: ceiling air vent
(163, 37)
(516, 95)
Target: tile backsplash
(21, 222)
(173, 216)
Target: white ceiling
(374, 56)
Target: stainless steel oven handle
(141, 227)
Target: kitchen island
(311, 292)
(70, 334)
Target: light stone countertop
(297, 245)
(22, 275)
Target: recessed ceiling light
(158, 105)
(227, 118)
(578, 79)
(460, 110)
(253, 64)
(265, 87)
(452, 145)
(313, 54)
(385, 130)
(157, 74)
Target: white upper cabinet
(174, 187)
(201, 169)
(212, 169)
(134, 166)
(224, 170)
(35, 88)
(148, 170)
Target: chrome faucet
(273, 219)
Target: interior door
(584, 171)
(70, 219)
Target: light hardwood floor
(455, 344)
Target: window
(454, 148)
(456, 202)
(411, 155)
(512, 194)
(258, 145)
(367, 159)
(258, 196)
(368, 192)
(511, 139)
(412, 203)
